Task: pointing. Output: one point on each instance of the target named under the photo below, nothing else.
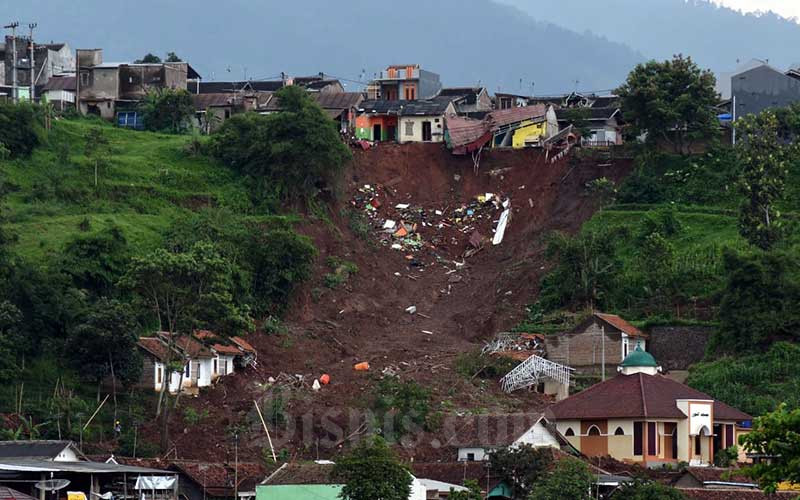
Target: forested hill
(466, 41)
(716, 37)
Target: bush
(474, 364)
(404, 407)
(20, 129)
(168, 110)
(341, 272)
(194, 417)
(291, 155)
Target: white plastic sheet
(155, 482)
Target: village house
(23, 464)
(469, 101)
(205, 357)
(216, 480)
(114, 90)
(342, 107)
(319, 84)
(600, 340)
(761, 86)
(314, 481)
(404, 82)
(49, 60)
(642, 417)
(519, 127)
(404, 121)
(59, 91)
(504, 100)
(477, 436)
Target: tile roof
(189, 345)
(242, 343)
(157, 347)
(453, 472)
(466, 134)
(12, 494)
(61, 83)
(338, 100)
(734, 494)
(637, 396)
(217, 343)
(218, 478)
(36, 449)
(307, 473)
(428, 107)
(492, 431)
(704, 474)
(205, 101)
(592, 114)
(620, 324)
(503, 117)
(229, 87)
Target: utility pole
(13, 28)
(603, 350)
(31, 26)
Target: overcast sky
(786, 8)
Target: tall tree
(521, 467)
(185, 291)
(570, 479)
(172, 57)
(671, 101)
(168, 110)
(372, 470)
(96, 149)
(763, 160)
(148, 58)
(290, 155)
(776, 435)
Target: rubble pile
(451, 231)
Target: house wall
(528, 130)
(298, 492)
(437, 128)
(480, 454)
(365, 124)
(205, 366)
(66, 455)
(563, 425)
(594, 446)
(103, 83)
(585, 348)
(763, 87)
(537, 436)
(621, 447)
(56, 96)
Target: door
(427, 136)
(376, 132)
(391, 133)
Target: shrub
(341, 272)
(20, 129)
(404, 407)
(291, 155)
(168, 110)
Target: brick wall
(585, 348)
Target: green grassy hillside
(147, 181)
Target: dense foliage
(294, 154)
(755, 383)
(20, 129)
(570, 479)
(521, 467)
(372, 470)
(671, 102)
(168, 110)
(776, 435)
(642, 489)
(401, 408)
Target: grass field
(145, 181)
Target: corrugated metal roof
(79, 467)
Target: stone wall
(678, 347)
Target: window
(470, 457)
(594, 431)
(619, 432)
(187, 371)
(638, 433)
(84, 79)
(159, 374)
(569, 432)
(652, 439)
(409, 128)
(216, 365)
(625, 347)
(108, 104)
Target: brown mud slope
(460, 301)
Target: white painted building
(480, 435)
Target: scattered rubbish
(476, 239)
(402, 206)
(455, 278)
(389, 224)
(315, 386)
(397, 274)
(325, 379)
(411, 309)
(397, 246)
(271, 380)
(517, 346)
(423, 316)
(427, 332)
(361, 367)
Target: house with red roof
(205, 356)
(600, 340)
(642, 417)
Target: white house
(41, 450)
(479, 435)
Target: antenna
(52, 485)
